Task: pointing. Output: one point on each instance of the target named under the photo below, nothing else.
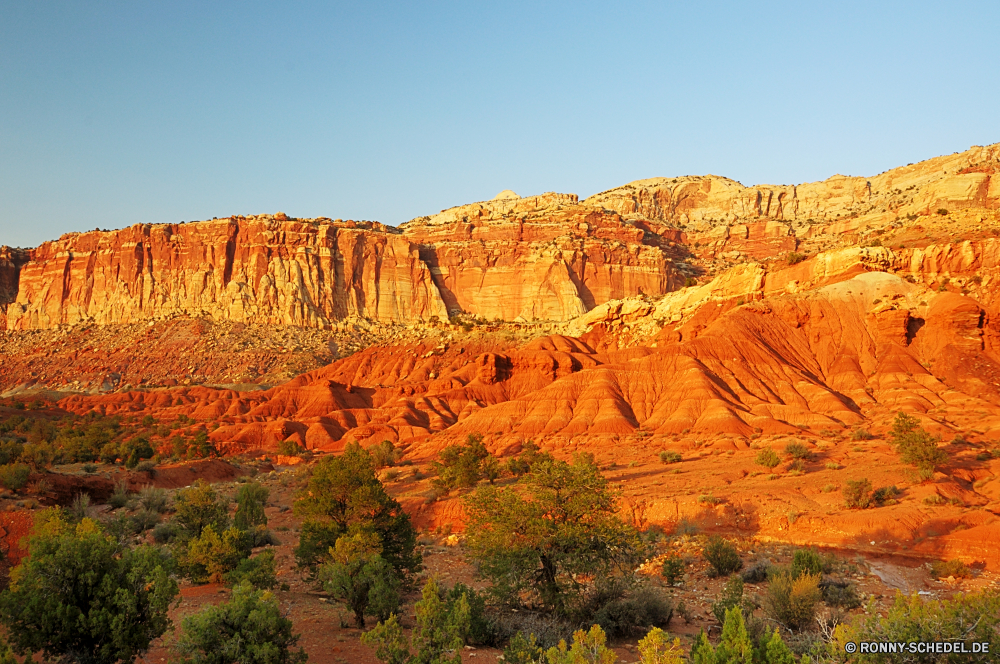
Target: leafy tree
(248, 629)
(250, 501)
(82, 596)
(915, 446)
(463, 466)
(198, 507)
(556, 528)
(345, 497)
(361, 578)
(14, 476)
(136, 450)
(441, 630)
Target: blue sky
(118, 113)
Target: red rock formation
(259, 269)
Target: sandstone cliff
(259, 269)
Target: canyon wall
(256, 269)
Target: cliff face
(256, 269)
(550, 257)
(961, 180)
(542, 257)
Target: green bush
(439, 635)
(861, 434)
(857, 493)
(965, 618)
(806, 561)
(757, 573)
(731, 597)
(259, 571)
(797, 450)
(153, 499)
(360, 577)
(464, 466)
(673, 569)
(248, 629)
(885, 494)
(199, 507)
(792, 601)
(588, 646)
(768, 458)
(636, 612)
(722, 556)
(523, 650)
(83, 595)
(212, 555)
(14, 476)
(670, 457)
(941, 569)
(840, 594)
(90, 468)
(794, 258)
(290, 448)
(915, 446)
(145, 519)
(384, 454)
(119, 498)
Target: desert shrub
(523, 650)
(517, 467)
(673, 569)
(90, 468)
(290, 448)
(10, 450)
(258, 571)
(153, 499)
(384, 454)
(211, 555)
(969, 617)
(85, 596)
(721, 555)
(463, 466)
(756, 573)
(797, 450)
(792, 601)
(840, 594)
(588, 647)
(483, 630)
(165, 532)
(861, 434)
(942, 211)
(731, 597)
(794, 258)
(146, 466)
(885, 494)
(199, 507)
(639, 610)
(119, 498)
(654, 648)
(768, 458)
(915, 446)
(144, 519)
(14, 476)
(439, 635)
(709, 499)
(548, 628)
(941, 569)
(78, 508)
(857, 493)
(670, 457)
(806, 561)
(248, 629)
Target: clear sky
(117, 113)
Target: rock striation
(246, 269)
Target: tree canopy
(544, 540)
